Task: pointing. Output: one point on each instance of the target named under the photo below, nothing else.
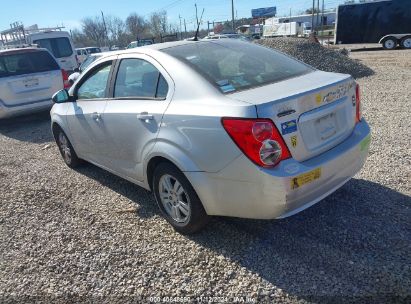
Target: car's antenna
(198, 26)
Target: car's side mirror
(77, 70)
(61, 96)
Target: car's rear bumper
(30, 107)
(245, 190)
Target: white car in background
(83, 53)
(28, 79)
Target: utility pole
(312, 17)
(232, 14)
(181, 29)
(318, 13)
(185, 29)
(105, 28)
(196, 13)
(322, 18)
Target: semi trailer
(387, 22)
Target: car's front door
(141, 93)
(85, 114)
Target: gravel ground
(87, 236)
(322, 58)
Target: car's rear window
(232, 65)
(26, 63)
(60, 47)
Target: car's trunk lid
(313, 112)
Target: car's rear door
(141, 93)
(84, 115)
(28, 76)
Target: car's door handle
(96, 116)
(145, 116)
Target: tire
(406, 42)
(389, 43)
(66, 150)
(177, 200)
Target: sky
(70, 13)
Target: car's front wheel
(66, 150)
(177, 199)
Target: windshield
(232, 65)
(59, 47)
(26, 63)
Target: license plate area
(326, 126)
(30, 82)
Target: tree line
(111, 30)
(114, 31)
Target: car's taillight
(65, 79)
(259, 140)
(358, 114)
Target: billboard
(264, 12)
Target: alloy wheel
(174, 199)
(64, 147)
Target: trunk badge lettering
(285, 113)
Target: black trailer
(387, 22)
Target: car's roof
(20, 50)
(148, 49)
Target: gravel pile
(88, 236)
(316, 55)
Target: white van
(59, 43)
(28, 79)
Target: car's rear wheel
(177, 199)
(66, 150)
(406, 42)
(389, 43)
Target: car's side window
(96, 84)
(137, 78)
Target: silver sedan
(220, 127)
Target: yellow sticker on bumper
(305, 178)
(294, 141)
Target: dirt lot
(86, 235)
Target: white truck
(297, 29)
(58, 42)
